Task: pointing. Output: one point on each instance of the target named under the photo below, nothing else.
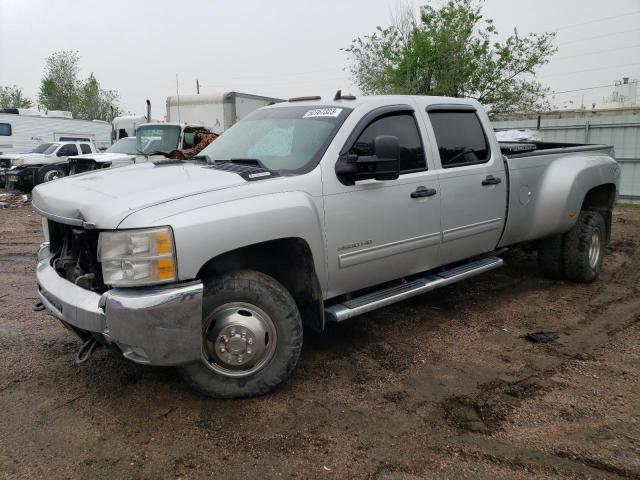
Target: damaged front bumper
(153, 325)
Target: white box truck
(216, 111)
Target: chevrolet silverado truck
(307, 212)
(25, 171)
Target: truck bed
(545, 193)
(528, 149)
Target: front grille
(75, 255)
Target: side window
(73, 139)
(5, 129)
(67, 150)
(85, 148)
(460, 138)
(404, 127)
(189, 139)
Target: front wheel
(251, 336)
(49, 173)
(584, 247)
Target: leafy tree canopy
(13, 97)
(453, 51)
(61, 89)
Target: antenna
(339, 96)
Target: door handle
(423, 192)
(491, 180)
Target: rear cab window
(85, 148)
(403, 126)
(460, 138)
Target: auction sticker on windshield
(322, 112)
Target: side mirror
(384, 164)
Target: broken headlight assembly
(132, 258)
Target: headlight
(17, 162)
(137, 257)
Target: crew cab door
(378, 231)
(472, 181)
(65, 151)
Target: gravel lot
(441, 386)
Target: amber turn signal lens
(163, 243)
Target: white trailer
(126, 126)
(23, 130)
(216, 111)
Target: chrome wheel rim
(239, 339)
(51, 175)
(594, 249)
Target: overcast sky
(282, 48)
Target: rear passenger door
(85, 148)
(472, 182)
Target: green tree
(62, 89)
(96, 103)
(59, 86)
(453, 51)
(13, 97)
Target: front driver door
(377, 230)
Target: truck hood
(104, 198)
(29, 158)
(103, 157)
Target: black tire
(264, 292)
(587, 236)
(45, 174)
(550, 257)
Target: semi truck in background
(126, 125)
(23, 130)
(216, 111)
(190, 118)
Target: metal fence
(621, 131)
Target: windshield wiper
(202, 158)
(148, 154)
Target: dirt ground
(441, 386)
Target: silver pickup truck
(306, 212)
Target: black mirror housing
(384, 164)
(386, 149)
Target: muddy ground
(441, 386)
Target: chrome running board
(387, 296)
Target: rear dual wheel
(578, 254)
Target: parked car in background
(27, 171)
(9, 160)
(162, 138)
(307, 212)
(120, 154)
(22, 130)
